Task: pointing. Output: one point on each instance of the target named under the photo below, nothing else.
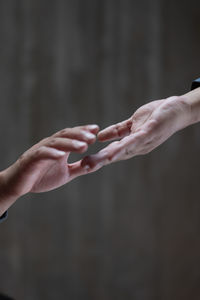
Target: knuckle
(62, 132)
(152, 125)
(40, 151)
(44, 141)
(172, 98)
(117, 128)
(65, 131)
(83, 132)
(22, 159)
(52, 142)
(128, 152)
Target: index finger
(116, 131)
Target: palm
(52, 174)
(42, 175)
(149, 127)
(45, 166)
(143, 115)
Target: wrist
(182, 108)
(7, 193)
(193, 101)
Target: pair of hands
(45, 166)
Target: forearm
(7, 197)
(193, 100)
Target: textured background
(132, 230)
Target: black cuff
(195, 84)
(3, 217)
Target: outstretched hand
(45, 166)
(149, 126)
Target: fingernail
(89, 135)
(60, 153)
(93, 126)
(79, 144)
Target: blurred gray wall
(132, 230)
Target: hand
(150, 126)
(44, 166)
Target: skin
(45, 166)
(150, 126)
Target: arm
(45, 166)
(193, 100)
(146, 129)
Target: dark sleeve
(195, 84)
(3, 217)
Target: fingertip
(92, 141)
(89, 137)
(101, 136)
(83, 148)
(80, 146)
(94, 128)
